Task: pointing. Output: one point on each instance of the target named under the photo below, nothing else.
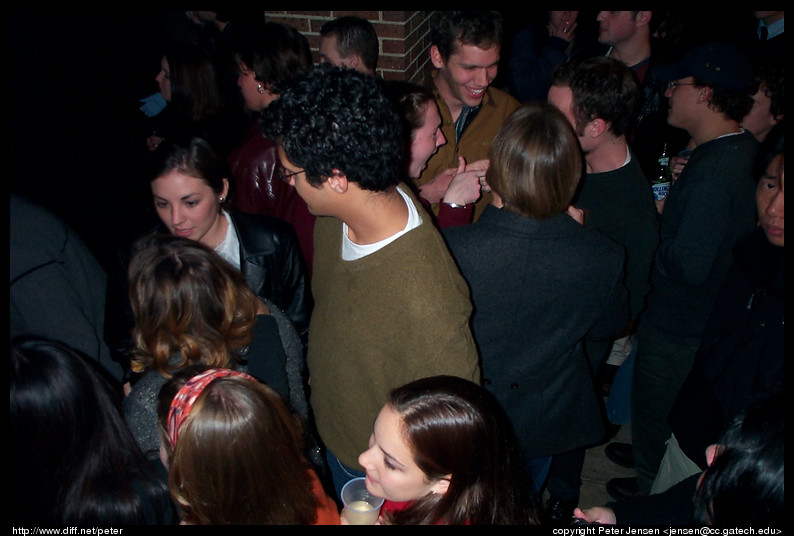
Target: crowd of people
(439, 288)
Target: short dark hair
(354, 35)
(277, 53)
(770, 79)
(602, 88)
(744, 484)
(337, 118)
(482, 29)
(733, 104)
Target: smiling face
(464, 77)
(769, 200)
(426, 140)
(189, 207)
(389, 463)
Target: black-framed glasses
(284, 176)
(673, 85)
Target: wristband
(455, 205)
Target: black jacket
(270, 260)
(741, 356)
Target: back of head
(237, 457)
(744, 485)
(602, 88)
(354, 35)
(536, 162)
(276, 53)
(483, 29)
(73, 459)
(188, 302)
(454, 427)
(339, 119)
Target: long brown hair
(455, 427)
(187, 301)
(237, 459)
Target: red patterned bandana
(187, 395)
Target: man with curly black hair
(390, 304)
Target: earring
(221, 199)
(260, 89)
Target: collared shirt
(467, 115)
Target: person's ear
(225, 191)
(435, 57)
(441, 485)
(337, 181)
(704, 95)
(644, 17)
(711, 454)
(596, 127)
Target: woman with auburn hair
(234, 454)
(441, 452)
(192, 307)
(541, 284)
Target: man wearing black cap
(708, 208)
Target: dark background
(76, 134)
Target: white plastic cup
(361, 507)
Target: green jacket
(476, 139)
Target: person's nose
(365, 459)
(440, 138)
(482, 78)
(176, 216)
(775, 207)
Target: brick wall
(404, 38)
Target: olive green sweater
(394, 316)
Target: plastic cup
(361, 507)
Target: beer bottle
(661, 183)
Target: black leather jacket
(270, 260)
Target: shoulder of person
(252, 227)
